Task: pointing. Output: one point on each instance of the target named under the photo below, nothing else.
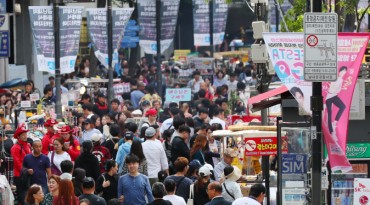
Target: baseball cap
(230, 152)
(205, 171)
(150, 132)
(96, 137)
(129, 135)
(151, 112)
(137, 112)
(87, 121)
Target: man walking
(88, 189)
(214, 191)
(256, 196)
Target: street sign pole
(316, 107)
(159, 67)
(58, 102)
(110, 52)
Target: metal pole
(58, 103)
(277, 15)
(211, 27)
(110, 51)
(158, 28)
(316, 107)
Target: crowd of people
(139, 149)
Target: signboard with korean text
(119, 89)
(262, 146)
(361, 194)
(320, 46)
(178, 95)
(201, 63)
(4, 34)
(294, 163)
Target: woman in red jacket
(19, 151)
(47, 143)
(71, 144)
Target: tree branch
(363, 14)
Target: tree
(351, 8)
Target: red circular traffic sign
(312, 40)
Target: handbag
(191, 196)
(232, 196)
(53, 167)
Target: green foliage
(294, 16)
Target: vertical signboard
(97, 25)
(320, 46)
(4, 35)
(43, 33)
(361, 191)
(3, 6)
(201, 22)
(147, 22)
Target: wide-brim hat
(50, 123)
(19, 131)
(59, 126)
(65, 130)
(234, 175)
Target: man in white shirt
(194, 84)
(256, 196)
(155, 155)
(168, 123)
(218, 117)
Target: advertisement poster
(201, 22)
(178, 94)
(98, 31)
(42, 26)
(262, 146)
(3, 6)
(201, 63)
(294, 163)
(361, 194)
(147, 22)
(286, 53)
(294, 196)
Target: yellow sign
(181, 54)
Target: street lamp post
(211, 27)
(158, 28)
(58, 103)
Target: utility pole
(211, 4)
(316, 146)
(110, 51)
(159, 63)
(58, 103)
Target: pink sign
(338, 97)
(286, 53)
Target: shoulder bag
(191, 196)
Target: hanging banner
(147, 22)
(201, 22)
(98, 31)
(361, 195)
(2, 6)
(286, 53)
(43, 33)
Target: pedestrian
(112, 143)
(200, 186)
(89, 130)
(154, 155)
(228, 158)
(19, 151)
(57, 156)
(230, 188)
(136, 95)
(159, 192)
(124, 150)
(106, 184)
(170, 186)
(35, 195)
(53, 185)
(137, 149)
(101, 153)
(137, 194)
(256, 196)
(47, 140)
(38, 166)
(66, 194)
(78, 175)
(88, 110)
(193, 171)
(179, 146)
(214, 191)
(198, 149)
(88, 161)
(101, 108)
(88, 189)
(182, 182)
(71, 145)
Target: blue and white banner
(147, 22)
(201, 22)
(43, 33)
(3, 6)
(98, 31)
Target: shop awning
(260, 101)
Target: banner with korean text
(286, 54)
(98, 31)
(43, 34)
(201, 22)
(147, 22)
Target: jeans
(341, 106)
